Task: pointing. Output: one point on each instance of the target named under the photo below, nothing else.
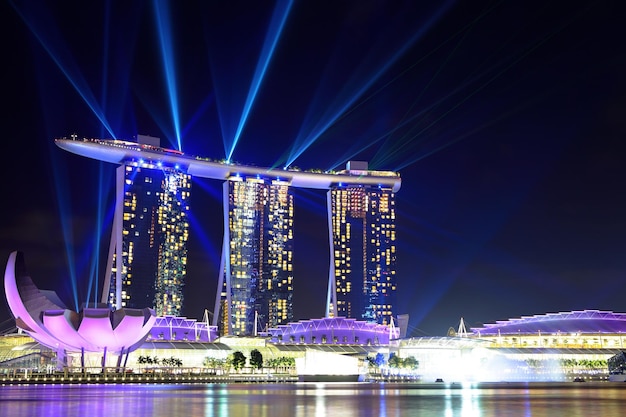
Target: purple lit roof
(585, 321)
(336, 330)
(45, 319)
(182, 329)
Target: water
(315, 399)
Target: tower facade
(148, 252)
(256, 288)
(362, 278)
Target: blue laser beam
(209, 99)
(104, 219)
(65, 212)
(49, 39)
(161, 12)
(277, 23)
(492, 74)
(385, 155)
(379, 160)
(335, 112)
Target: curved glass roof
(585, 321)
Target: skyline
(504, 121)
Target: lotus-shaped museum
(43, 316)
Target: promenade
(107, 377)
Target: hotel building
(362, 282)
(255, 278)
(255, 286)
(148, 251)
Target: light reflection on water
(300, 400)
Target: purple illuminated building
(579, 322)
(333, 331)
(44, 317)
(173, 328)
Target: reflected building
(148, 251)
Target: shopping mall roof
(583, 322)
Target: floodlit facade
(362, 281)
(256, 288)
(148, 252)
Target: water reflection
(277, 400)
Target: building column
(331, 298)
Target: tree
(282, 362)
(172, 361)
(237, 360)
(403, 363)
(214, 364)
(379, 360)
(411, 363)
(256, 359)
(395, 361)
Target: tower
(255, 287)
(148, 251)
(362, 277)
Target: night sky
(506, 120)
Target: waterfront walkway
(142, 378)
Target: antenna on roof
(205, 317)
(462, 332)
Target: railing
(148, 376)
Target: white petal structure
(43, 316)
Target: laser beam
(304, 141)
(49, 39)
(164, 30)
(277, 23)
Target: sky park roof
(583, 322)
(119, 151)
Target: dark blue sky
(505, 119)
